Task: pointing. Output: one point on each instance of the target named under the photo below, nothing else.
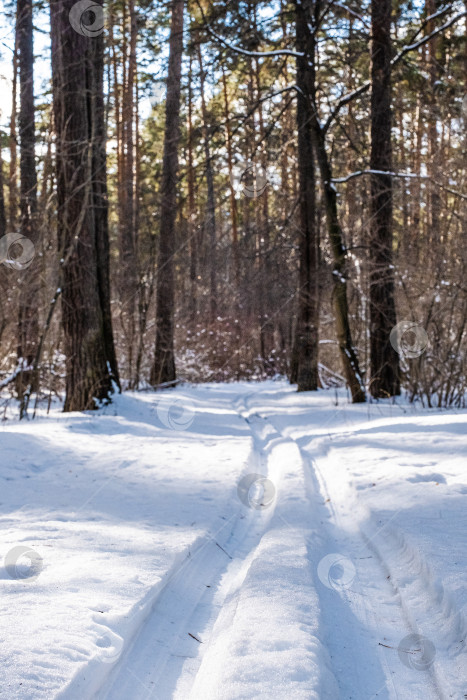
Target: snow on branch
(345, 99)
(359, 173)
(353, 13)
(417, 44)
(253, 54)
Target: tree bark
(88, 365)
(434, 147)
(211, 207)
(128, 247)
(12, 179)
(264, 246)
(192, 233)
(305, 354)
(384, 361)
(340, 301)
(232, 198)
(163, 369)
(100, 203)
(3, 292)
(28, 324)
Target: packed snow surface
(239, 541)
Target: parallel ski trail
(359, 619)
(167, 652)
(362, 624)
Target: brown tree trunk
(305, 353)
(3, 285)
(163, 369)
(264, 253)
(192, 233)
(100, 204)
(210, 207)
(12, 179)
(28, 324)
(128, 249)
(384, 361)
(88, 372)
(2, 199)
(233, 201)
(434, 147)
(340, 301)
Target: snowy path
(158, 578)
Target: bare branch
(407, 49)
(254, 54)
(359, 173)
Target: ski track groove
(432, 685)
(163, 659)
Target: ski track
(387, 567)
(360, 625)
(163, 661)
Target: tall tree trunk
(2, 199)
(28, 325)
(265, 276)
(192, 233)
(340, 301)
(3, 285)
(434, 147)
(232, 199)
(100, 203)
(211, 207)
(12, 179)
(74, 57)
(128, 249)
(384, 361)
(163, 369)
(305, 352)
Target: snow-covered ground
(235, 541)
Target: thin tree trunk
(305, 353)
(233, 201)
(210, 208)
(128, 250)
(3, 294)
(265, 276)
(340, 301)
(2, 199)
(434, 200)
(13, 171)
(193, 302)
(384, 361)
(163, 369)
(341, 305)
(100, 204)
(28, 324)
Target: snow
(150, 569)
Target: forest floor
(138, 564)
